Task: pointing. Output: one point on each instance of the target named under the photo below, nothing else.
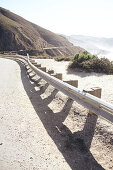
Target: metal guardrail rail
(96, 105)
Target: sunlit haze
(84, 17)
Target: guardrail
(96, 105)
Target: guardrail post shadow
(43, 88)
(31, 77)
(29, 71)
(27, 68)
(65, 110)
(91, 120)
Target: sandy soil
(85, 80)
(40, 128)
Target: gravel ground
(85, 80)
(40, 128)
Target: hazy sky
(86, 17)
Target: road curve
(24, 142)
(41, 129)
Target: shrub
(62, 58)
(88, 62)
(102, 65)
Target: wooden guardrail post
(72, 82)
(58, 76)
(33, 61)
(37, 65)
(50, 72)
(95, 91)
(43, 68)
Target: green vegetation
(88, 62)
(64, 58)
(41, 57)
(8, 52)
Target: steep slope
(16, 33)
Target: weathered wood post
(37, 65)
(50, 72)
(43, 68)
(95, 91)
(58, 76)
(33, 61)
(72, 82)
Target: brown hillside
(16, 33)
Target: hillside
(16, 34)
(96, 45)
